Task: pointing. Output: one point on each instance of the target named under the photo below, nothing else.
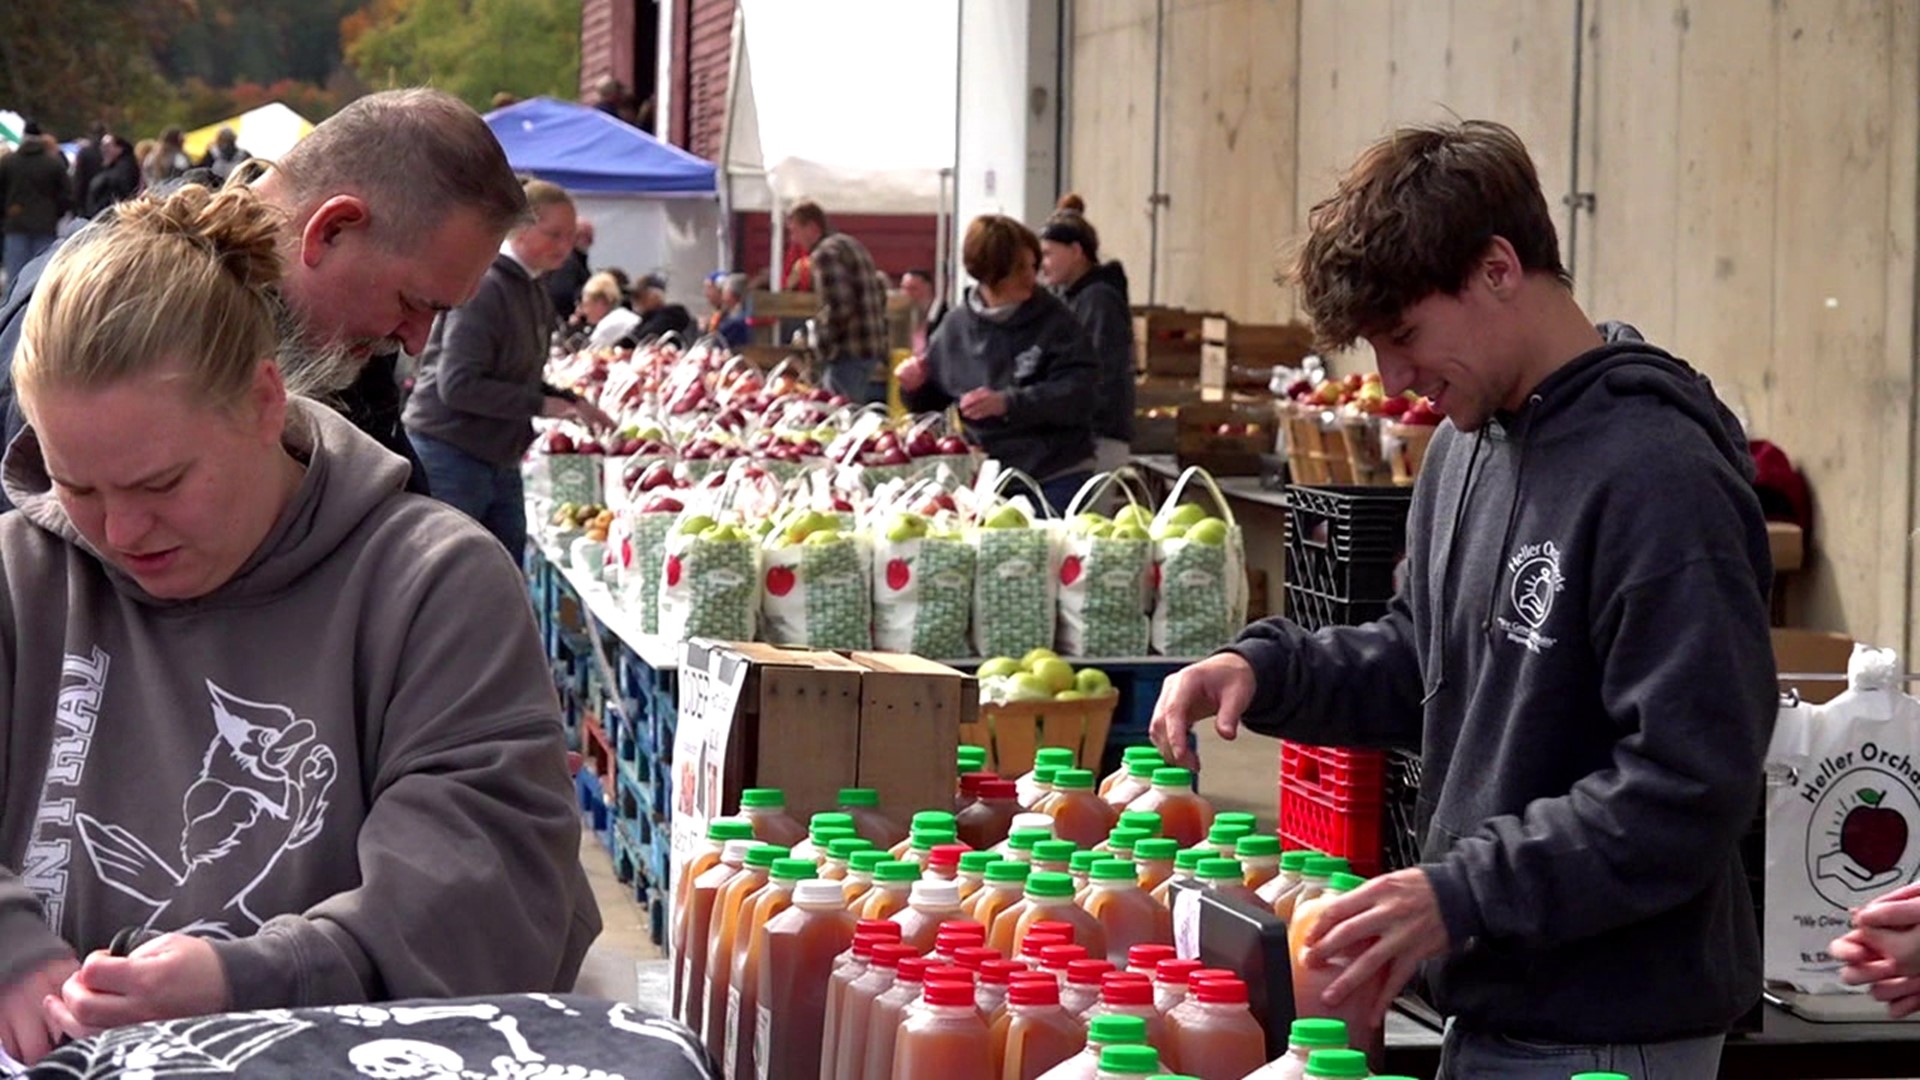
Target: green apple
(1056, 673)
(1028, 687)
(696, 525)
(739, 534)
(1186, 514)
(1130, 532)
(1169, 530)
(1135, 515)
(1090, 519)
(823, 537)
(1091, 681)
(1007, 517)
(1071, 695)
(1208, 531)
(999, 668)
(1101, 532)
(1033, 658)
(906, 527)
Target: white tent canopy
(266, 132)
(849, 101)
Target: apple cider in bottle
(702, 899)
(944, 1039)
(1184, 816)
(797, 952)
(847, 968)
(1127, 915)
(766, 809)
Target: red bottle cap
(913, 969)
(1144, 958)
(947, 857)
(963, 927)
(886, 927)
(888, 954)
(999, 789)
(970, 783)
(1087, 972)
(953, 994)
(1055, 958)
(949, 973)
(1204, 974)
(1053, 927)
(1037, 944)
(1176, 972)
(1000, 972)
(1125, 988)
(972, 956)
(1221, 991)
(863, 944)
(1034, 992)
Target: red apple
(663, 504)
(780, 580)
(841, 505)
(898, 574)
(1070, 570)
(557, 442)
(891, 456)
(953, 444)
(673, 570)
(1395, 406)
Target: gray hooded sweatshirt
(1581, 652)
(344, 767)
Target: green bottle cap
(1188, 860)
(832, 819)
(1123, 838)
(763, 856)
(1054, 850)
(893, 871)
(1257, 847)
(859, 796)
(1318, 1034)
(1024, 839)
(1006, 870)
(1172, 1076)
(845, 847)
(794, 870)
(1237, 817)
(1044, 774)
(1140, 753)
(863, 862)
(936, 819)
(1294, 861)
(976, 862)
(1211, 869)
(1156, 849)
(1588, 1076)
(1180, 778)
(763, 798)
(1054, 755)
(1344, 882)
(1082, 861)
(972, 758)
(1141, 819)
(1130, 1060)
(1319, 866)
(927, 837)
(1337, 1063)
(1074, 780)
(728, 829)
(1117, 1030)
(1112, 870)
(1046, 886)
(1227, 835)
(823, 835)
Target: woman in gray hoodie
(267, 720)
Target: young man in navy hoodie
(1580, 650)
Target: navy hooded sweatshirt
(1581, 652)
(1099, 301)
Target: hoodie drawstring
(1439, 681)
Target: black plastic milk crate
(1317, 611)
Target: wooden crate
(1365, 458)
(1406, 447)
(1198, 440)
(1316, 453)
(1012, 732)
(1240, 357)
(1166, 341)
(1155, 391)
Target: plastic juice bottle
(1028, 787)
(1102, 1032)
(1184, 865)
(1120, 842)
(704, 858)
(1020, 843)
(1223, 837)
(943, 862)
(891, 892)
(1045, 792)
(974, 957)
(743, 984)
(1219, 1039)
(1040, 1031)
(859, 880)
(970, 759)
(943, 1039)
(970, 785)
(834, 866)
(972, 873)
(1170, 983)
(1123, 993)
(1147, 821)
(863, 806)
(1143, 959)
(1303, 1039)
(816, 843)
(856, 1010)
(1078, 814)
(1310, 980)
(1050, 899)
(925, 819)
(1280, 893)
(1260, 858)
(1006, 885)
(909, 981)
(1053, 857)
(1056, 959)
(1078, 868)
(1127, 757)
(1226, 878)
(1329, 1064)
(847, 968)
(1136, 781)
(766, 809)
(925, 839)
(1153, 861)
(1314, 875)
(987, 820)
(1081, 992)
(796, 968)
(1237, 817)
(1184, 815)
(1000, 1021)
(955, 934)
(996, 975)
(930, 902)
(1126, 913)
(1121, 1062)
(724, 936)
(702, 899)
(1033, 950)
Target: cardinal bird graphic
(261, 792)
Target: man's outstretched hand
(1221, 686)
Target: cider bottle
(1078, 814)
(1053, 857)
(859, 880)
(766, 810)
(930, 902)
(972, 874)
(996, 975)
(1146, 821)
(1238, 817)
(834, 867)
(892, 889)
(888, 1011)
(1153, 860)
(1224, 877)
(1081, 992)
(796, 968)
(1280, 893)
(722, 939)
(944, 1039)
(1311, 979)
(1020, 843)
(743, 984)
(987, 821)
(925, 819)
(1184, 865)
(1028, 788)
(1329, 1064)
(1260, 858)
(856, 1010)
(1127, 915)
(1170, 983)
(925, 838)
(1143, 959)
(1006, 885)
(1079, 868)
(1102, 1033)
(1219, 1039)
(705, 857)
(847, 968)
(1304, 1037)
(1040, 1032)
(1125, 1062)
(1128, 756)
(823, 828)
(1049, 899)
(863, 806)
(702, 900)
(970, 759)
(1124, 993)
(1119, 843)
(1223, 837)
(943, 862)
(1314, 874)
(955, 934)
(1184, 816)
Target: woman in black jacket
(1015, 360)
(118, 178)
(1097, 293)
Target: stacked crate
(1166, 352)
(1238, 358)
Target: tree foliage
(470, 48)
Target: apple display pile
(1040, 675)
(1362, 396)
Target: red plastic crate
(1333, 825)
(1333, 772)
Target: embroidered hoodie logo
(1535, 581)
(262, 792)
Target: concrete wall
(1752, 168)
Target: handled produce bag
(1104, 575)
(639, 541)
(1014, 587)
(709, 581)
(1199, 574)
(814, 579)
(1843, 817)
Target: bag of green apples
(1199, 573)
(1103, 573)
(922, 575)
(710, 576)
(815, 583)
(639, 543)
(1014, 592)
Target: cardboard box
(1812, 652)
(911, 710)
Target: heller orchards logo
(1860, 836)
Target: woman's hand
(983, 404)
(27, 1033)
(170, 977)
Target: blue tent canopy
(583, 149)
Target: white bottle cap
(817, 892)
(932, 892)
(1031, 821)
(736, 850)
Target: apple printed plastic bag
(640, 556)
(1843, 817)
(1014, 584)
(922, 577)
(555, 474)
(709, 581)
(1104, 565)
(1199, 575)
(814, 578)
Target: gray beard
(316, 369)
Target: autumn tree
(469, 48)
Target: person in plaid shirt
(850, 333)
